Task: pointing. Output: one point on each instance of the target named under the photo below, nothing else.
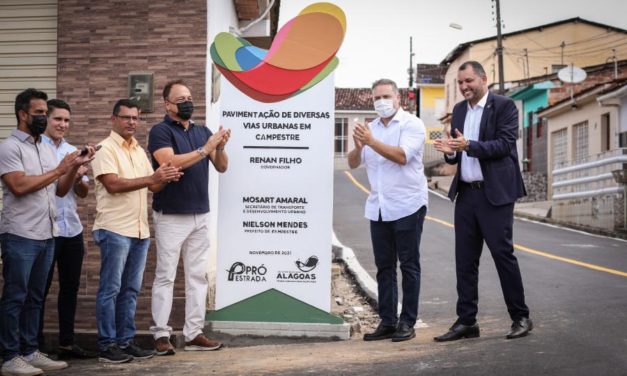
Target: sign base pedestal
(274, 313)
(281, 329)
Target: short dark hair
(168, 87)
(476, 67)
(129, 103)
(385, 81)
(22, 100)
(53, 104)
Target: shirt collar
(48, 140)
(481, 103)
(397, 117)
(122, 142)
(169, 121)
(23, 136)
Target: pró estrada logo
(303, 274)
(239, 272)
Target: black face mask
(37, 125)
(185, 110)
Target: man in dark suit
(482, 143)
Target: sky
(376, 44)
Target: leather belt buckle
(476, 184)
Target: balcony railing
(588, 177)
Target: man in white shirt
(391, 147)
(487, 183)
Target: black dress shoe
(75, 352)
(459, 331)
(382, 332)
(404, 332)
(520, 328)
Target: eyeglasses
(127, 118)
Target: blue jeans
(392, 241)
(25, 268)
(122, 262)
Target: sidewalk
(531, 210)
(252, 355)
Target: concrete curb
(366, 283)
(439, 187)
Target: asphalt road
(575, 284)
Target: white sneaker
(19, 367)
(40, 360)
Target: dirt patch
(348, 302)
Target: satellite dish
(571, 74)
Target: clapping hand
(226, 134)
(362, 135)
(449, 145)
(167, 173)
(459, 142)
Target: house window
(580, 141)
(622, 140)
(341, 135)
(559, 147)
(605, 132)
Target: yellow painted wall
(430, 94)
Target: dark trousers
(392, 241)
(68, 256)
(476, 221)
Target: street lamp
(620, 176)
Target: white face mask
(384, 108)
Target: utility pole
(499, 48)
(615, 68)
(411, 63)
(527, 65)
(410, 71)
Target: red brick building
(98, 45)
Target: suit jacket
(495, 149)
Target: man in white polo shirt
(391, 148)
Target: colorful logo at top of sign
(302, 54)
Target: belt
(473, 184)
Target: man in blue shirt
(181, 216)
(68, 246)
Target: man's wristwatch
(467, 145)
(201, 151)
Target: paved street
(575, 284)
(576, 287)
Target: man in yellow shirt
(123, 175)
